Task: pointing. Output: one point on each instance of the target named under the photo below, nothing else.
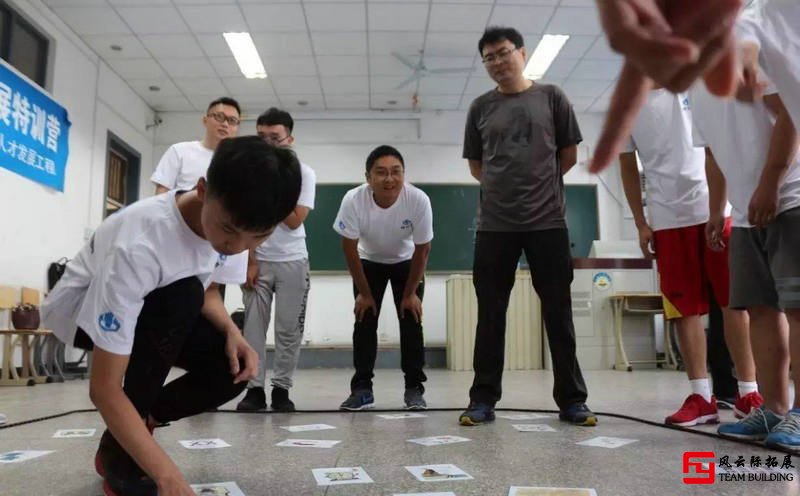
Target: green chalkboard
(454, 207)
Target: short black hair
(258, 184)
(275, 116)
(493, 34)
(225, 100)
(383, 151)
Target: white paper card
(306, 428)
(204, 444)
(20, 456)
(62, 433)
(438, 473)
(396, 416)
(438, 440)
(217, 489)
(549, 491)
(607, 442)
(533, 428)
(308, 443)
(522, 416)
(340, 475)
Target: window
(22, 46)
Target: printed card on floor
(306, 428)
(533, 428)
(75, 433)
(522, 416)
(425, 494)
(549, 491)
(439, 440)
(438, 473)
(20, 456)
(204, 444)
(340, 475)
(308, 443)
(217, 489)
(607, 442)
(396, 416)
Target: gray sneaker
(414, 400)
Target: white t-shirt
(776, 29)
(386, 235)
(285, 244)
(145, 246)
(675, 177)
(739, 136)
(182, 165)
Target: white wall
(336, 145)
(40, 225)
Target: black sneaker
(281, 401)
(358, 400)
(414, 400)
(122, 476)
(476, 414)
(254, 401)
(578, 414)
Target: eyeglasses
(274, 140)
(500, 56)
(221, 117)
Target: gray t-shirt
(517, 138)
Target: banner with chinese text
(34, 131)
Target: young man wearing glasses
(278, 266)
(184, 163)
(520, 139)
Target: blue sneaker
(753, 427)
(476, 414)
(787, 433)
(578, 414)
(358, 400)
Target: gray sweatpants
(288, 283)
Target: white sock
(701, 387)
(746, 388)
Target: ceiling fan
(420, 70)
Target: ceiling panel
(153, 20)
(575, 20)
(459, 17)
(304, 102)
(145, 68)
(384, 43)
(275, 17)
(287, 85)
(342, 65)
(172, 45)
(289, 66)
(281, 44)
(524, 18)
(249, 87)
(92, 20)
(452, 44)
(435, 85)
(347, 102)
(606, 70)
(345, 85)
(350, 43)
(343, 16)
(130, 46)
(187, 67)
(202, 86)
(214, 18)
(439, 102)
(398, 17)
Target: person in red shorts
(681, 213)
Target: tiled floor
(497, 456)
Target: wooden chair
(27, 339)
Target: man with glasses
(184, 163)
(520, 139)
(278, 269)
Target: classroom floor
(496, 456)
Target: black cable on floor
(388, 410)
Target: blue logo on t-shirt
(407, 224)
(685, 103)
(341, 225)
(108, 322)
(220, 260)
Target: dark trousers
(550, 261)
(365, 333)
(171, 332)
(719, 359)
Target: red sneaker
(745, 404)
(695, 410)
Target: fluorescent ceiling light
(546, 51)
(246, 55)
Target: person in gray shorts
(279, 266)
(755, 147)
